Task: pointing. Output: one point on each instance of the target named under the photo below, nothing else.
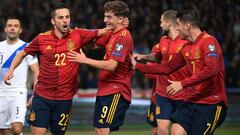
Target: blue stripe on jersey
(8, 62)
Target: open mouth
(65, 26)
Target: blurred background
(219, 18)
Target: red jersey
(57, 78)
(168, 48)
(119, 47)
(152, 76)
(204, 60)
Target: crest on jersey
(211, 47)
(118, 47)
(32, 116)
(71, 45)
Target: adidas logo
(101, 121)
(49, 47)
(63, 129)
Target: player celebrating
(114, 85)
(57, 80)
(205, 107)
(168, 46)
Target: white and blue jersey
(7, 54)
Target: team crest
(211, 47)
(157, 110)
(71, 45)
(32, 116)
(118, 47)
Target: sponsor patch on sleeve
(117, 50)
(117, 54)
(212, 49)
(118, 47)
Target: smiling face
(112, 21)
(61, 20)
(13, 29)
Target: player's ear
(5, 29)
(20, 31)
(53, 21)
(121, 20)
(188, 26)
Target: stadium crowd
(221, 18)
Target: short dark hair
(170, 15)
(119, 8)
(13, 17)
(58, 5)
(190, 16)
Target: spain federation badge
(32, 116)
(157, 110)
(71, 45)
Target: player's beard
(165, 32)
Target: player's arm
(211, 64)
(152, 57)
(211, 68)
(35, 70)
(100, 64)
(15, 63)
(176, 63)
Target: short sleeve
(33, 47)
(121, 48)
(87, 35)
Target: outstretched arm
(167, 68)
(152, 57)
(100, 64)
(15, 63)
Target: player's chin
(64, 30)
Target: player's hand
(133, 61)
(77, 57)
(174, 87)
(8, 76)
(139, 57)
(29, 103)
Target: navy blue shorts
(151, 119)
(199, 119)
(110, 111)
(166, 107)
(53, 114)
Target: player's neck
(173, 33)
(118, 28)
(59, 34)
(12, 41)
(194, 34)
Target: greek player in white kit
(13, 97)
